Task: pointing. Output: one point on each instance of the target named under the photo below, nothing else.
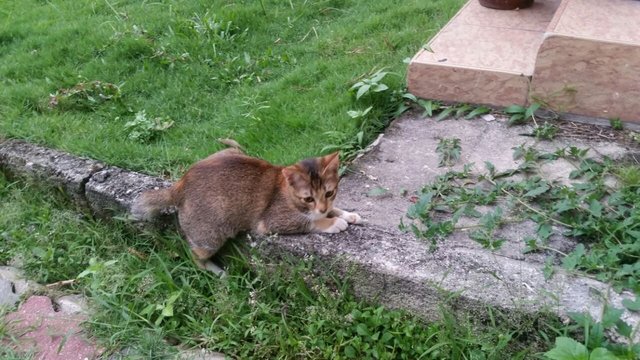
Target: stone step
(575, 56)
(589, 62)
(482, 55)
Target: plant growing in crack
(431, 107)
(449, 150)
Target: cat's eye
(308, 199)
(329, 194)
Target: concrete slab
(8, 297)
(406, 160)
(399, 270)
(589, 62)
(579, 57)
(612, 20)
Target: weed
(429, 106)
(357, 114)
(520, 114)
(169, 59)
(212, 28)
(595, 344)
(591, 211)
(144, 129)
(628, 175)
(253, 107)
(489, 222)
(84, 96)
(386, 102)
(546, 131)
(616, 124)
(443, 112)
(372, 84)
(458, 111)
(449, 151)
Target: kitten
(230, 192)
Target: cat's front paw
(351, 218)
(337, 226)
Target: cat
(229, 192)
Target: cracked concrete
(106, 190)
(13, 285)
(20, 159)
(384, 264)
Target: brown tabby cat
(230, 192)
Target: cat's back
(232, 174)
(232, 162)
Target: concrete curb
(401, 273)
(106, 190)
(388, 267)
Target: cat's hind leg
(202, 258)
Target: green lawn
(274, 75)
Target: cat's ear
(295, 177)
(330, 163)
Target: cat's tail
(151, 203)
(231, 143)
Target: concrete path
(397, 269)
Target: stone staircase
(579, 57)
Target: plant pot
(506, 4)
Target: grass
(274, 75)
(148, 296)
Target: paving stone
(72, 304)
(8, 297)
(200, 354)
(51, 335)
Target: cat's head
(313, 184)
